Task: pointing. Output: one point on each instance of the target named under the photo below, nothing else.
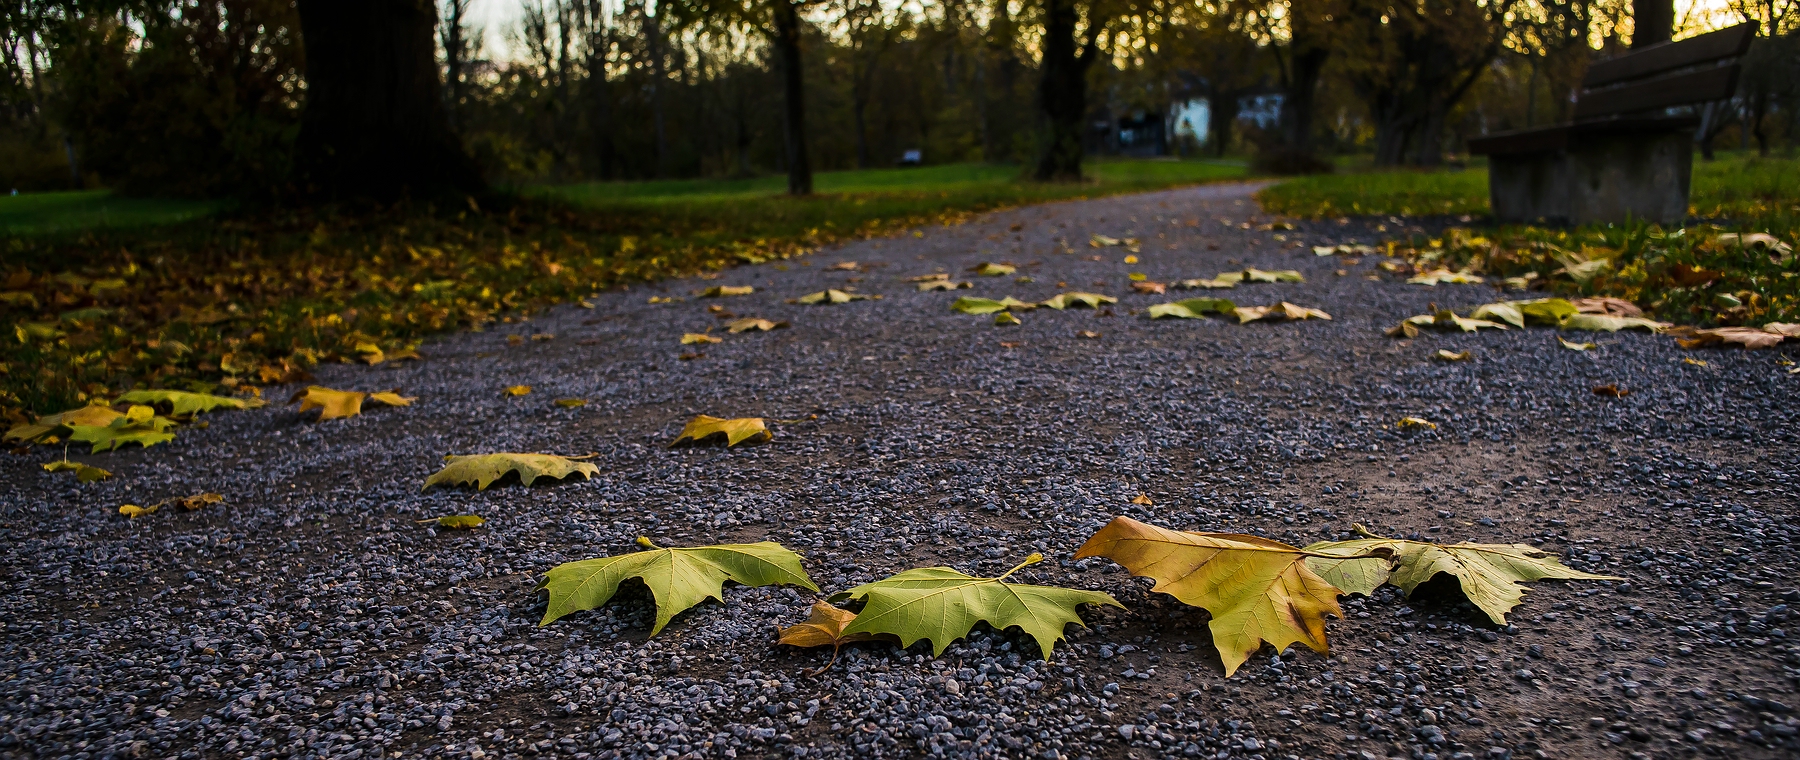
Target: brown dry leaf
(1748, 337)
(1403, 330)
(1142, 500)
(846, 266)
(744, 325)
(1154, 288)
(1784, 329)
(689, 339)
(1615, 307)
(1610, 390)
(929, 277)
(1457, 356)
(691, 355)
(1087, 334)
(825, 627)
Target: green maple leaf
(1192, 308)
(484, 469)
(1062, 301)
(678, 578)
(1490, 574)
(972, 305)
(943, 605)
(183, 403)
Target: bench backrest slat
(1679, 90)
(1706, 48)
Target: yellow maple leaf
(734, 431)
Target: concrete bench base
(1597, 177)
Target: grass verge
(248, 298)
(1738, 269)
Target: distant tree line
(384, 97)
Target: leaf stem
(1031, 560)
(645, 542)
(1363, 531)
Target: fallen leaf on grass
(455, 522)
(48, 425)
(689, 339)
(990, 269)
(942, 605)
(1611, 390)
(185, 404)
(1256, 589)
(83, 473)
(1457, 356)
(733, 431)
(1436, 276)
(333, 404)
(973, 305)
(1412, 422)
(188, 503)
(1006, 318)
(832, 296)
(1062, 301)
(1490, 574)
(720, 291)
(571, 403)
(1602, 322)
(825, 627)
(484, 469)
(1283, 310)
(1192, 308)
(678, 578)
(1576, 346)
(138, 425)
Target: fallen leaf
(1256, 589)
(1490, 574)
(1576, 346)
(1005, 318)
(1142, 500)
(50, 424)
(484, 469)
(1062, 301)
(1617, 307)
(334, 404)
(944, 285)
(1784, 329)
(929, 277)
(1693, 361)
(832, 296)
(1748, 337)
(1447, 318)
(677, 578)
(1599, 322)
(846, 266)
(1283, 310)
(1192, 308)
(185, 404)
(825, 627)
(83, 473)
(1102, 241)
(456, 522)
(720, 291)
(518, 390)
(942, 605)
(1412, 422)
(188, 503)
(973, 305)
(690, 356)
(689, 339)
(1458, 356)
(1406, 329)
(1136, 276)
(1214, 284)
(745, 325)
(734, 431)
(1610, 390)
(571, 403)
(1152, 288)
(663, 299)
(542, 337)
(1436, 276)
(990, 269)
(1258, 275)
(1090, 334)
(138, 425)
(1011, 344)
(134, 511)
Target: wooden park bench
(1628, 153)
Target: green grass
(1736, 186)
(37, 213)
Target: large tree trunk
(1652, 21)
(787, 47)
(1062, 94)
(659, 119)
(374, 124)
(1221, 113)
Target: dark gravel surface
(308, 616)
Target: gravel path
(308, 616)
